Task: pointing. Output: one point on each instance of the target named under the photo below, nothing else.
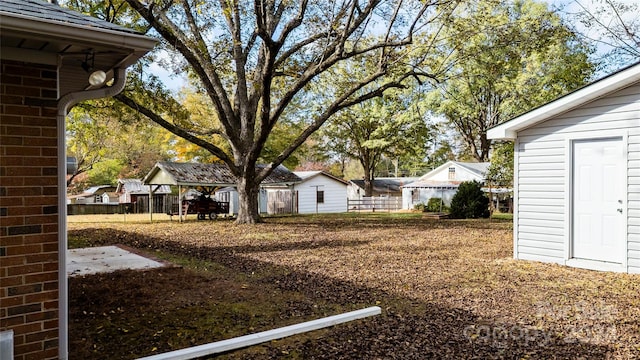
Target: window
(452, 173)
(320, 196)
(98, 198)
(415, 196)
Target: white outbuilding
(577, 176)
(320, 192)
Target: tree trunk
(248, 192)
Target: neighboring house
(442, 182)
(129, 190)
(93, 195)
(43, 49)
(110, 198)
(384, 187)
(136, 193)
(577, 176)
(320, 192)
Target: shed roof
(607, 85)
(382, 185)
(306, 175)
(196, 174)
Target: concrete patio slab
(103, 259)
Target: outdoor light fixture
(97, 77)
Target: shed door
(598, 182)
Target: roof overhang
(66, 45)
(617, 81)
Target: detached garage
(577, 176)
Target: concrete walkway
(105, 259)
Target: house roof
(48, 11)
(383, 185)
(477, 169)
(196, 174)
(136, 186)
(307, 175)
(433, 184)
(45, 33)
(607, 85)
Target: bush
(469, 202)
(434, 205)
(419, 207)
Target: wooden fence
(162, 204)
(374, 204)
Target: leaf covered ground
(447, 289)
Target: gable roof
(607, 85)
(307, 175)
(196, 174)
(136, 186)
(476, 169)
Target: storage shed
(320, 192)
(577, 176)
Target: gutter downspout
(64, 105)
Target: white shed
(442, 182)
(320, 192)
(577, 176)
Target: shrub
(469, 202)
(434, 205)
(419, 207)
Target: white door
(598, 186)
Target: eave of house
(66, 45)
(614, 82)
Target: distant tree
(388, 126)
(469, 202)
(502, 59)
(86, 140)
(500, 172)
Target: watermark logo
(588, 322)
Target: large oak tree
(256, 61)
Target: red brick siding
(28, 208)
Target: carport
(206, 176)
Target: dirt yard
(447, 289)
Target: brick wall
(28, 208)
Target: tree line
(405, 85)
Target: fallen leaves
(449, 289)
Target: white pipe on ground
(269, 335)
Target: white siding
(335, 195)
(541, 228)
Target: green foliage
(435, 205)
(105, 172)
(469, 202)
(420, 207)
(392, 127)
(502, 59)
(500, 172)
